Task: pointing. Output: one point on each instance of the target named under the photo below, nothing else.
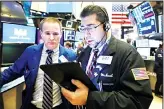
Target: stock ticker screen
(145, 18)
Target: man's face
(93, 30)
(51, 35)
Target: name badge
(104, 59)
(160, 55)
(63, 59)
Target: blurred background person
(68, 45)
(80, 48)
(158, 69)
(129, 41)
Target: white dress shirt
(38, 88)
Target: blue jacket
(27, 65)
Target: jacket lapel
(36, 60)
(84, 57)
(110, 51)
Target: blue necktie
(93, 63)
(48, 85)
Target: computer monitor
(144, 51)
(59, 7)
(11, 52)
(12, 11)
(145, 19)
(14, 33)
(69, 35)
(26, 7)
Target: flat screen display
(59, 7)
(13, 33)
(69, 35)
(145, 17)
(144, 51)
(26, 7)
(11, 52)
(12, 11)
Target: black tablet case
(62, 73)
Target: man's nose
(51, 37)
(87, 32)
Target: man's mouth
(51, 43)
(89, 41)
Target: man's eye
(47, 33)
(55, 34)
(90, 28)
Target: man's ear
(41, 33)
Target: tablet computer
(62, 73)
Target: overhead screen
(26, 7)
(13, 33)
(12, 11)
(145, 19)
(60, 7)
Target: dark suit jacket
(119, 88)
(158, 67)
(27, 65)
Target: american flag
(120, 12)
(140, 73)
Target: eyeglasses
(89, 28)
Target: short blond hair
(50, 20)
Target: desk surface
(12, 84)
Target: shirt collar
(55, 50)
(101, 47)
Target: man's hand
(79, 97)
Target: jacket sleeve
(16, 70)
(159, 57)
(132, 94)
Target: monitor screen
(144, 51)
(11, 52)
(26, 7)
(59, 7)
(12, 11)
(132, 18)
(145, 17)
(13, 33)
(69, 35)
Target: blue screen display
(13, 33)
(145, 18)
(60, 7)
(26, 7)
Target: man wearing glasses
(114, 67)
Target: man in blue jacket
(28, 66)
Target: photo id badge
(105, 60)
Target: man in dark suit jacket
(158, 69)
(115, 68)
(28, 66)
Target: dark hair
(100, 12)
(128, 40)
(160, 45)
